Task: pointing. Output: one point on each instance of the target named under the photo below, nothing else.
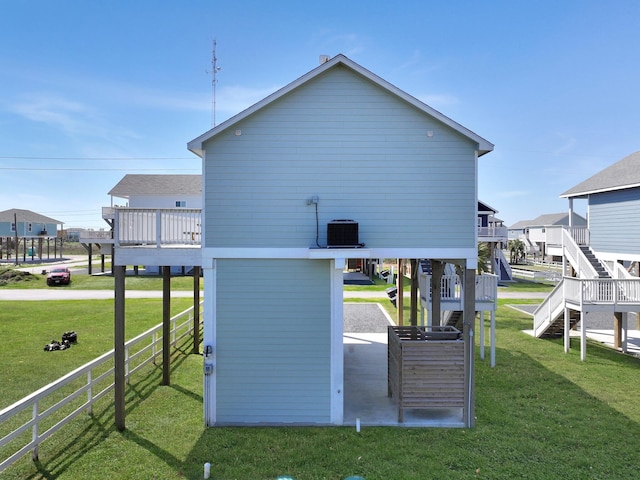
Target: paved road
(62, 293)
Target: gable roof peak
(196, 145)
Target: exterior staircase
(594, 288)
(595, 263)
(502, 267)
(453, 318)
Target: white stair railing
(576, 257)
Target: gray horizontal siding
(614, 222)
(273, 341)
(363, 152)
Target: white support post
(337, 341)
(583, 336)
(481, 335)
(567, 326)
(493, 338)
(625, 331)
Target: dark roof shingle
(138, 184)
(622, 174)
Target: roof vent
(324, 59)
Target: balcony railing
(452, 292)
(499, 233)
(157, 227)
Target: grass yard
(93, 282)
(26, 327)
(541, 414)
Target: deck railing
(36, 417)
(493, 232)
(585, 294)
(451, 288)
(157, 227)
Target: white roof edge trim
(484, 146)
(600, 190)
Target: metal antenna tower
(214, 71)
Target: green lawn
(541, 414)
(27, 326)
(102, 282)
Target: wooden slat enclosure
(425, 367)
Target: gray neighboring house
(31, 228)
(613, 200)
(600, 261)
(339, 164)
(533, 233)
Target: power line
(50, 169)
(127, 159)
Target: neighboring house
(158, 191)
(491, 230)
(339, 164)
(613, 202)
(534, 233)
(31, 229)
(155, 206)
(600, 260)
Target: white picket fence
(36, 417)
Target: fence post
(90, 392)
(154, 350)
(126, 364)
(34, 432)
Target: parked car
(59, 276)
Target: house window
(181, 203)
(13, 227)
(29, 227)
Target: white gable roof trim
(484, 146)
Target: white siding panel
(366, 155)
(273, 355)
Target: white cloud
(71, 117)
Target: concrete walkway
(60, 293)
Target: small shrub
(10, 276)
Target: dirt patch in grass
(9, 276)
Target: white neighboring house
(149, 211)
(537, 234)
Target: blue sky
(91, 91)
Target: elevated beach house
(28, 235)
(155, 212)
(338, 164)
(601, 260)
